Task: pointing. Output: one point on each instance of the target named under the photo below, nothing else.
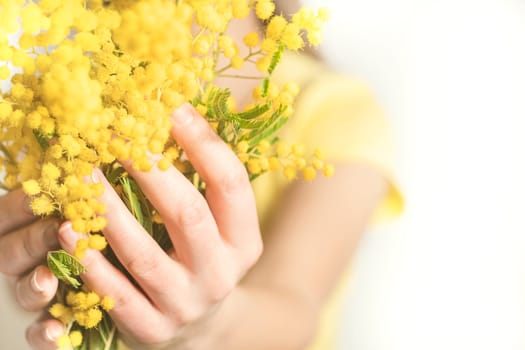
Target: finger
(106, 280)
(138, 252)
(228, 189)
(35, 290)
(26, 247)
(156, 272)
(42, 335)
(185, 214)
(15, 211)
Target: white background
(451, 75)
(450, 273)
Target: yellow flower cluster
(93, 241)
(105, 90)
(73, 339)
(84, 308)
(282, 156)
(93, 82)
(289, 33)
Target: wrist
(220, 325)
(211, 332)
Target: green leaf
(274, 123)
(42, 140)
(131, 199)
(265, 87)
(113, 173)
(137, 202)
(254, 112)
(64, 266)
(276, 58)
(218, 110)
(218, 104)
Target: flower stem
(240, 76)
(110, 338)
(7, 154)
(246, 58)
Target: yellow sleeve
(341, 117)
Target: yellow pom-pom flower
(97, 242)
(251, 39)
(31, 187)
(328, 170)
(75, 338)
(290, 172)
(63, 342)
(5, 72)
(107, 303)
(276, 27)
(309, 173)
(42, 205)
(264, 9)
(57, 310)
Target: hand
(24, 242)
(216, 240)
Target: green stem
(7, 154)
(198, 35)
(246, 58)
(110, 338)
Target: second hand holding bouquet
(95, 83)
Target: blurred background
(451, 75)
(450, 274)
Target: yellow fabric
(340, 116)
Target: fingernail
(48, 335)
(183, 115)
(94, 179)
(95, 176)
(51, 335)
(34, 283)
(67, 235)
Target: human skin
(217, 291)
(275, 305)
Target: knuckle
(235, 180)
(194, 212)
(202, 131)
(15, 207)
(218, 282)
(10, 267)
(122, 301)
(221, 289)
(29, 334)
(37, 240)
(188, 315)
(143, 266)
(31, 242)
(21, 297)
(252, 254)
(150, 336)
